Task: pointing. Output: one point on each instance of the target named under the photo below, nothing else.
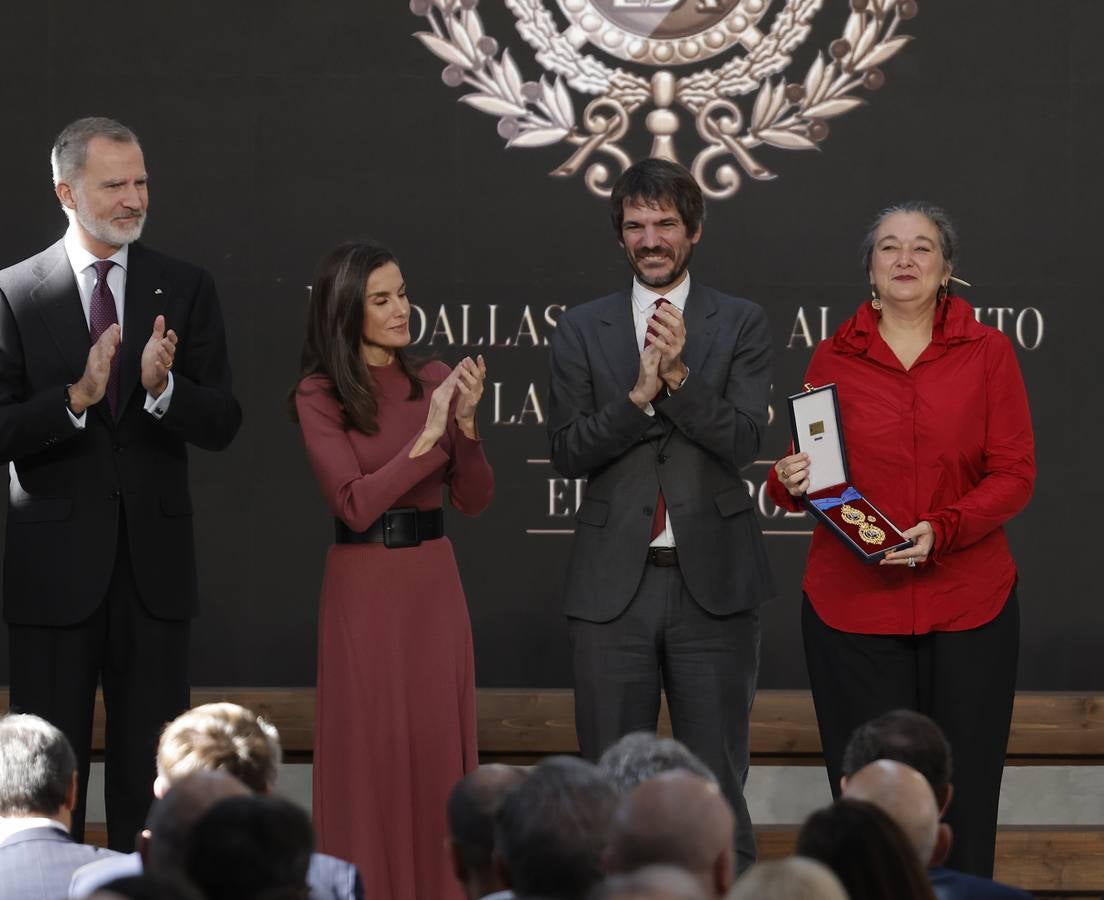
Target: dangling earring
(875, 301)
(941, 294)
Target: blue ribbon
(830, 502)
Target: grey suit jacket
(36, 864)
(695, 446)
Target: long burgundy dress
(396, 689)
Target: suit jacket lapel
(701, 327)
(58, 301)
(140, 308)
(617, 335)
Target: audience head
(551, 830)
(642, 755)
(251, 847)
(147, 886)
(868, 852)
(38, 770)
(471, 810)
(174, 816)
(795, 878)
(223, 737)
(650, 883)
(677, 819)
(905, 796)
(907, 737)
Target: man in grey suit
(38, 790)
(658, 396)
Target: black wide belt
(402, 527)
(663, 556)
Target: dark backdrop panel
(274, 130)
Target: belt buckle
(392, 536)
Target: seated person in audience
(38, 790)
(650, 883)
(249, 848)
(228, 738)
(147, 886)
(551, 830)
(641, 755)
(471, 810)
(676, 819)
(163, 847)
(915, 741)
(795, 878)
(867, 850)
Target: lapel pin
(159, 291)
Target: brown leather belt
(663, 556)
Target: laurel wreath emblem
(789, 115)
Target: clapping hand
(157, 358)
(470, 378)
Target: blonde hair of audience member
(679, 819)
(906, 797)
(219, 737)
(796, 878)
(650, 883)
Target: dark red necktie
(659, 523)
(101, 316)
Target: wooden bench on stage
(520, 726)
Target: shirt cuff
(158, 406)
(78, 421)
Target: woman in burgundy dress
(396, 693)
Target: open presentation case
(831, 498)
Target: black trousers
(964, 680)
(706, 664)
(143, 664)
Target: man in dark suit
(112, 359)
(658, 395)
(38, 789)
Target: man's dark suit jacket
(951, 885)
(63, 527)
(37, 864)
(694, 447)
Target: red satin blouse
(949, 441)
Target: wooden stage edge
(520, 725)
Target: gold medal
(851, 515)
(871, 534)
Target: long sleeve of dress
(469, 476)
(357, 498)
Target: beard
(115, 232)
(661, 279)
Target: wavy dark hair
(335, 324)
(866, 849)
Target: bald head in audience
(676, 819)
(650, 883)
(795, 878)
(472, 806)
(905, 796)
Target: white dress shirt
(10, 825)
(644, 306)
(83, 264)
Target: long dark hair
(867, 850)
(335, 324)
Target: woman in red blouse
(938, 435)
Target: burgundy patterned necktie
(659, 522)
(101, 316)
